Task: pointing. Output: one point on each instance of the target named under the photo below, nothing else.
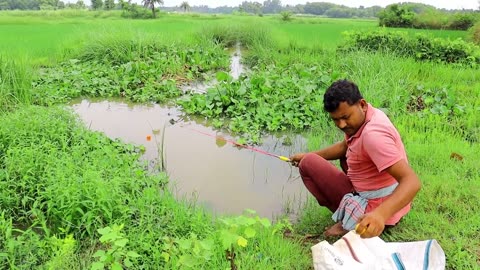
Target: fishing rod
(283, 158)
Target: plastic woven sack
(354, 252)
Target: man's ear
(363, 104)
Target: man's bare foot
(335, 230)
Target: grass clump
(15, 76)
(229, 34)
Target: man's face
(349, 118)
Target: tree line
(250, 7)
(40, 4)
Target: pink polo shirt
(375, 147)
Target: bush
(461, 21)
(404, 15)
(422, 47)
(396, 42)
(286, 15)
(396, 16)
(474, 33)
(134, 11)
(432, 19)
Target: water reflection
(203, 163)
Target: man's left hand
(370, 225)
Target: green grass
(57, 178)
(15, 78)
(56, 30)
(45, 35)
(322, 31)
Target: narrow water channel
(218, 175)
(236, 67)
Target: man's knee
(310, 161)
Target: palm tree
(151, 4)
(185, 6)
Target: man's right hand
(295, 159)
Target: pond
(204, 165)
(200, 163)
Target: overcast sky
(448, 4)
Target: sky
(448, 4)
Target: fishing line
(283, 158)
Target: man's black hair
(340, 91)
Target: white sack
(354, 252)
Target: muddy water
(236, 67)
(218, 175)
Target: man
(377, 185)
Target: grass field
(54, 31)
(61, 183)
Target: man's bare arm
(373, 223)
(332, 152)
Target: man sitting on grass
(377, 185)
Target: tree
(80, 4)
(250, 7)
(109, 4)
(272, 6)
(318, 8)
(48, 4)
(4, 5)
(151, 4)
(97, 4)
(339, 12)
(185, 6)
(396, 15)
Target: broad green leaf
(184, 244)
(166, 256)
(133, 254)
(121, 242)
(265, 222)
(222, 76)
(196, 249)
(116, 266)
(99, 253)
(242, 241)
(105, 230)
(97, 266)
(207, 244)
(127, 262)
(242, 90)
(227, 238)
(249, 232)
(108, 237)
(188, 260)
